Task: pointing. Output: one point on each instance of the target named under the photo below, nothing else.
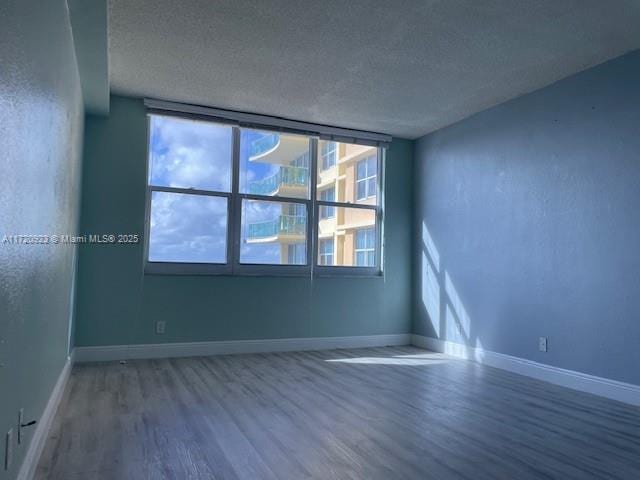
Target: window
(189, 188)
(274, 164)
(344, 235)
(366, 178)
(328, 195)
(365, 247)
(227, 199)
(188, 228)
(339, 198)
(326, 252)
(328, 153)
(268, 229)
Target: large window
(227, 199)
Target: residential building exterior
(347, 173)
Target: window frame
(234, 212)
(351, 270)
(186, 268)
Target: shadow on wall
(446, 315)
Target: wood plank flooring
(383, 413)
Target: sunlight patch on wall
(458, 321)
(431, 293)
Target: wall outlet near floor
(8, 450)
(542, 344)
(160, 327)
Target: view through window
(235, 198)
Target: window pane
(272, 234)
(351, 235)
(274, 164)
(361, 170)
(188, 228)
(371, 187)
(362, 190)
(372, 166)
(352, 163)
(189, 154)
(328, 154)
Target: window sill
(189, 269)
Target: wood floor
(385, 413)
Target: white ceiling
(403, 67)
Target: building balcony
(289, 181)
(264, 145)
(277, 148)
(284, 228)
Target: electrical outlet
(542, 344)
(160, 327)
(20, 423)
(8, 450)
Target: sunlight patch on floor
(417, 359)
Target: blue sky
(192, 228)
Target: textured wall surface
(527, 225)
(41, 124)
(118, 305)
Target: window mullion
(380, 210)
(236, 207)
(312, 210)
(362, 206)
(190, 191)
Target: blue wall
(40, 153)
(527, 225)
(118, 305)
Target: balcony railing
(283, 225)
(264, 144)
(292, 176)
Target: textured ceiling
(403, 67)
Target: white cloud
(187, 228)
(190, 154)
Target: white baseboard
(41, 433)
(192, 349)
(623, 392)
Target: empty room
(342, 240)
